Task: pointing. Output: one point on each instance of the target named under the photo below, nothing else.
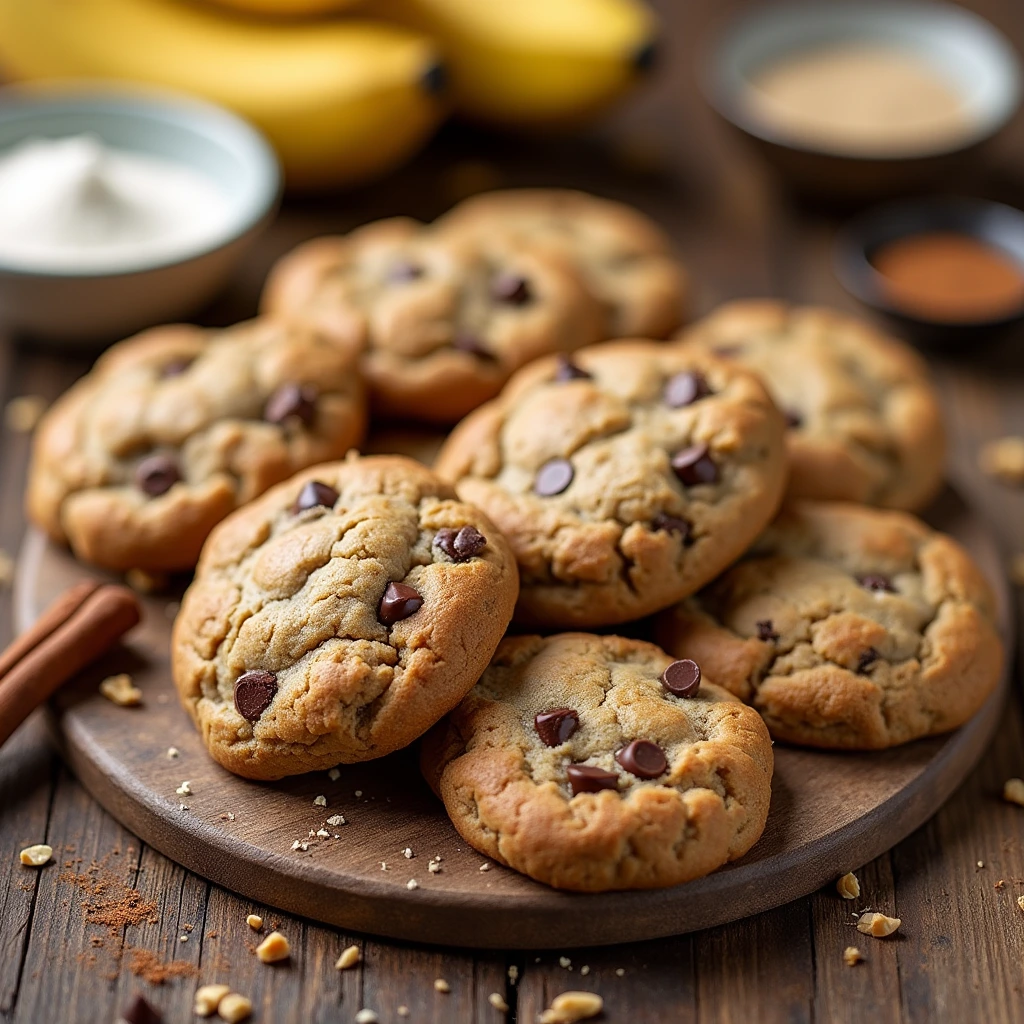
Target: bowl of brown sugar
(947, 271)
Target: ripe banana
(533, 61)
(291, 8)
(342, 101)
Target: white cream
(76, 205)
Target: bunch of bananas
(344, 98)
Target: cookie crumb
(878, 925)
(336, 819)
(22, 413)
(497, 1001)
(1020, 902)
(585, 969)
(570, 1007)
(485, 866)
(434, 866)
(320, 801)
(848, 886)
(334, 774)
(852, 956)
(349, 958)
(1000, 885)
(273, 948)
(36, 856)
(1013, 791)
(183, 938)
(412, 884)
(255, 922)
(1003, 460)
(981, 863)
(620, 972)
(208, 998)
(185, 789)
(359, 793)
(366, 1016)
(172, 753)
(383, 865)
(564, 961)
(120, 690)
(403, 1011)
(234, 1008)
(407, 853)
(440, 985)
(513, 973)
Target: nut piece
(1020, 902)
(234, 1008)
(570, 1007)
(369, 1017)
(440, 985)
(848, 887)
(496, 1000)
(121, 690)
(852, 956)
(1013, 791)
(349, 958)
(255, 922)
(877, 925)
(36, 856)
(1003, 459)
(208, 998)
(273, 948)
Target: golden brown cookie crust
(845, 661)
(597, 553)
(298, 594)
(209, 417)
(506, 790)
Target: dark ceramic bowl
(975, 56)
(999, 226)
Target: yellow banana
(291, 8)
(533, 61)
(342, 101)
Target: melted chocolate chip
(568, 370)
(685, 389)
(313, 494)
(253, 693)
(682, 678)
(766, 632)
(672, 524)
(877, 582)
(553, 477)
(157, 474)
(511, 288)
(644, 759)
(404, 271)
(556, 726)
(793, 419)
(291, 401)
(460, 545)
(466, 341)
(399, 602)
(176, 367)
(141, 1011)
(867, 659)
(694, 466)
(585, 778)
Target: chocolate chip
(313, 494)
(404, 271)
(877, 582)
(141, 1011)
(793, 419)
(157, 474)
(584, 778)
(867, 659)
(511, 288)
(553, 477)
(766, 632)
(291, 401)
(254, 691)
(568, 370)
(466, 341)
(672, 524)
(399, 602)
(176, 367)
(644, 759)
(685, 389)
(556, 726)
(694, 466)
(682, 678)
(460, 545)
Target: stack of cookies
(344, 607)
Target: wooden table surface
(68, 944)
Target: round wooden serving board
(829, 813)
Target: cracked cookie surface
(176, 427)
(508, 791)
(864, 420)
(624, 479)
(337, 617)
(442, 322)
(847, 627)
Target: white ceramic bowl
(95, 308)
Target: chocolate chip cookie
(442, 321)
(339, 616)
(847, 627)
(178, 426)
(624, 257)
(864, 421)
(624, 477)
(595, 763)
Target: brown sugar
(947, 277)
(145, 964)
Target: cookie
(595, 763)
(624, 257)
(337, 617)
(865, 422)
(847, 627)
(624, 478)
(442, 322)
(178, 426)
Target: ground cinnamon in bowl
(949, 277)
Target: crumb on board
(255, 922)
(234, 1007)
(350, 956)
(852, 956)
(1013, 791)
(320, 801)
(570, 1007)
(440, 985)
(120, 690)
(848, 886)
(498, 1002)
(36, 856)
(273, 948)
(185, 789)
(877, 925)
(412, 884)
(208, 998)
(367, 1016)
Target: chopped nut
(496, 1000)
(412, 884)
(1013, 791)
(334, 774)
(981, 863)
(172, 752)
(335, 820)
(403, 1011)
(36, 856)
(208, 998)
(440, 985)
(369, 1017)
(320, 801)
(852, 955)
(185, 789)
(234, 1008)
(349, 958)
(273, 948)
(848, 887)
(1003, 459)
(121, 690)
(877, 925)
(570, 1007)
(22, 413)
(183, 938)
(254, 921)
